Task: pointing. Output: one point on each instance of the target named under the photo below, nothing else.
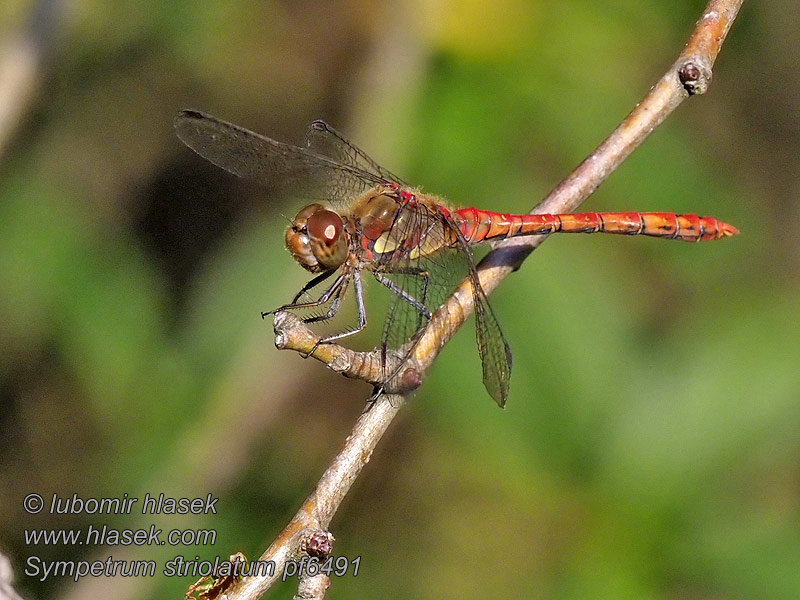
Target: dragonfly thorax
(317, 239)
(376, 211)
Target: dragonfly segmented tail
(481, 225)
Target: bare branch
(292, 334)
(690, 74)
(312, 588)
(318, 509)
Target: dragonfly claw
(376, 393)
(314, 349)
(266, 313)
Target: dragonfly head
(317, 239)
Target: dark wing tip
(186, 117)
(190, 114)
(319, 125)
(194, 128)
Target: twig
(689, 75)
(292, 334)
(312, 588)
(317, 511)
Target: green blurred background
(651, 443)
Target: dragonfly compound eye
(298, 243)
(325, 226)
(327, 240)
(317, 239)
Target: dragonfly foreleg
(311, 284)
(335, 290)
(362, 314)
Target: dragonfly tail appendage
(478, 225)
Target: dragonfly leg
(311, 284)
(336, 294)
(362, 314)
(335, 290)
(425, 313)
(419, 306)
(425, 281)
(332, 309)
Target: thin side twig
(689, 75)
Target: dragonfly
(364, 219)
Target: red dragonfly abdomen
(483, 225)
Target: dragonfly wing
(493, 348)
(420, 281)
(325, 140)
(492, 345)
(280, 167)
(428, 281)
(429, 277)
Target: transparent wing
(281, 167)
(429, 278)
(493, 348)
(325, 140)
(492, 345)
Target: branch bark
(317, 511)
(690, 74)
